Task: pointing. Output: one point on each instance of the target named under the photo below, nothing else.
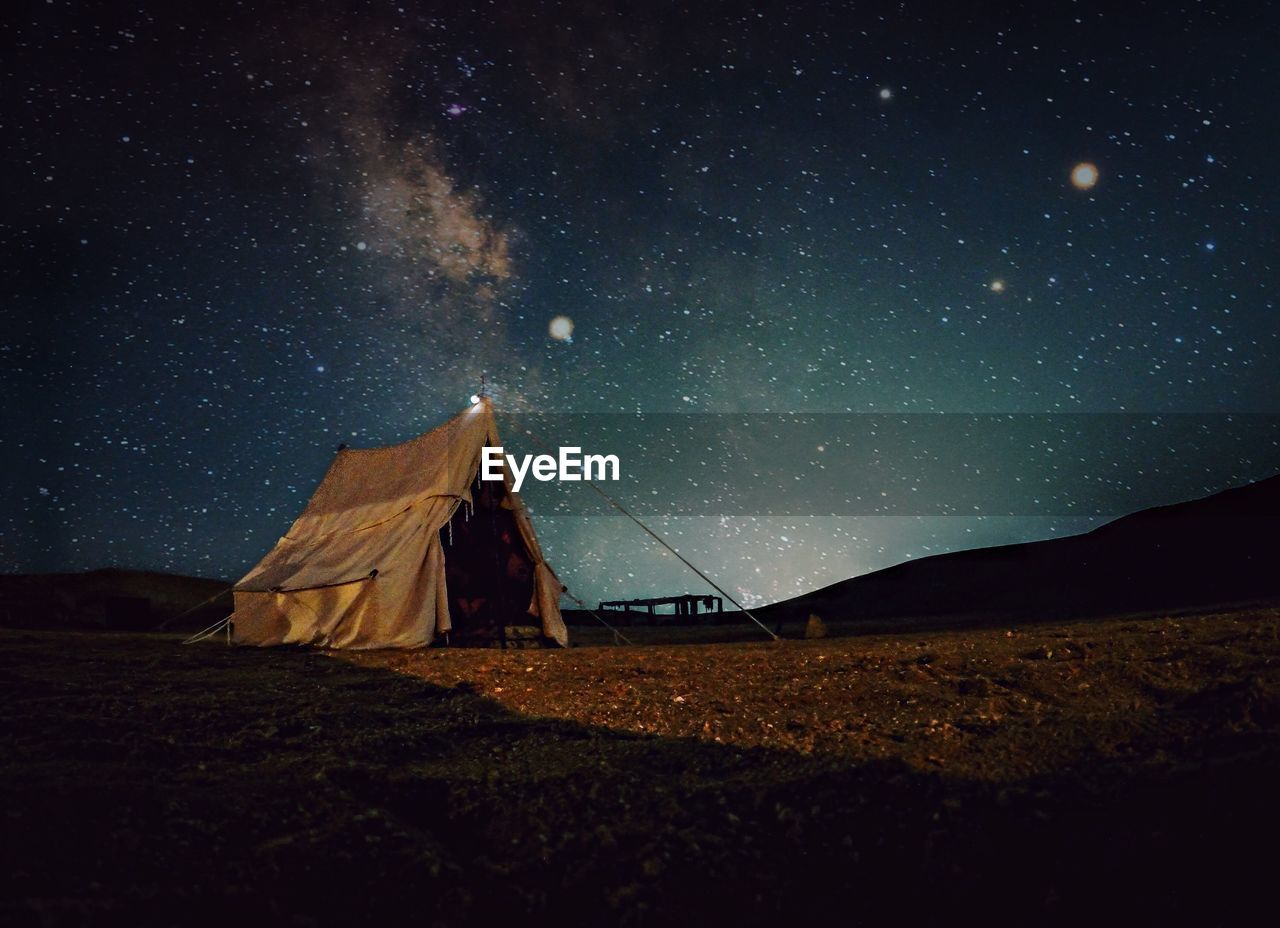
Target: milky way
(238, 238)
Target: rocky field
(1107, 771)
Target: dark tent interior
(488, 572)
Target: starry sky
(238, 236)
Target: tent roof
(340, 535)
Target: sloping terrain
(138, 600)
(1207, 552)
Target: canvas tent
(402, 545)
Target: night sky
(239, 236)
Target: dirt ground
(1105, 771)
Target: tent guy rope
(662, 541)
(210, 631)
(616, 634)
(182, 615)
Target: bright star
(561, 328)
(1084, 175)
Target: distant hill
(134, 600)
(1217, 550)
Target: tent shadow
(200, 784)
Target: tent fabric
(364, 567)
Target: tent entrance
(488, 571)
